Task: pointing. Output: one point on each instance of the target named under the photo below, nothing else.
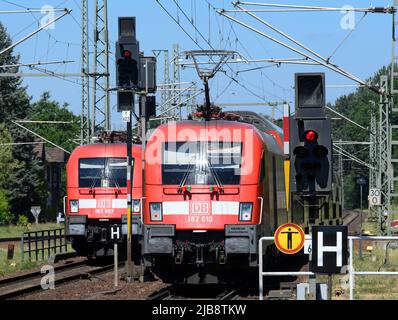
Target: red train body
(212, 189)
(97, 195)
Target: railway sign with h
(329, 249)
(116, 233)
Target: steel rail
(20, 285)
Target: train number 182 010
(198, 219)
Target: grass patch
(16, 264)
(12, 266)
(371, 287)
(16, 231)
(370, 226)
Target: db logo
(200, 208)
(103, 203)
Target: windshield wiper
(215, 175)
(111, 175)
(94, 181)
(185, 177)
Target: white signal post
(116, 234)
(116, 262)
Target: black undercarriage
(200, 257)
(96, 241)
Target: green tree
(5, 215)
(15, 104)
(64, 135)
(7, 162)
(357, 107)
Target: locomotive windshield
(102, 172)
(201, 163)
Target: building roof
(50, 154)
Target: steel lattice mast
(85, 112)
(385, 156)
(100, 119)
(388, 102)
(176, 82)
(374, 169)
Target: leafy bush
(5, 214)
(23, 221)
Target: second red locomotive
(97, 195)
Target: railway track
(352, 219)
(176, 292)
(27, 283)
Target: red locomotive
(97, 195)
(212, 189)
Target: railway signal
(127, 63)
(127, 54)
(310, 137)
(127, 76)
(150, 107)
(147, 74)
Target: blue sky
(366, 50)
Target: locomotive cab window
(102, 173)
(201, 163)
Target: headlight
(136, 206)
(155, 209)
(245, 211)
(74, 206)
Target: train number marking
(198, 219)
(104, 211)
(200, 208)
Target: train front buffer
(92, 218)
(202, 232)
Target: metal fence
(351, 271)
(41, 244)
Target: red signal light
(310, 135)
(127, 54)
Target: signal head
(310, 135)
(127, 53)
